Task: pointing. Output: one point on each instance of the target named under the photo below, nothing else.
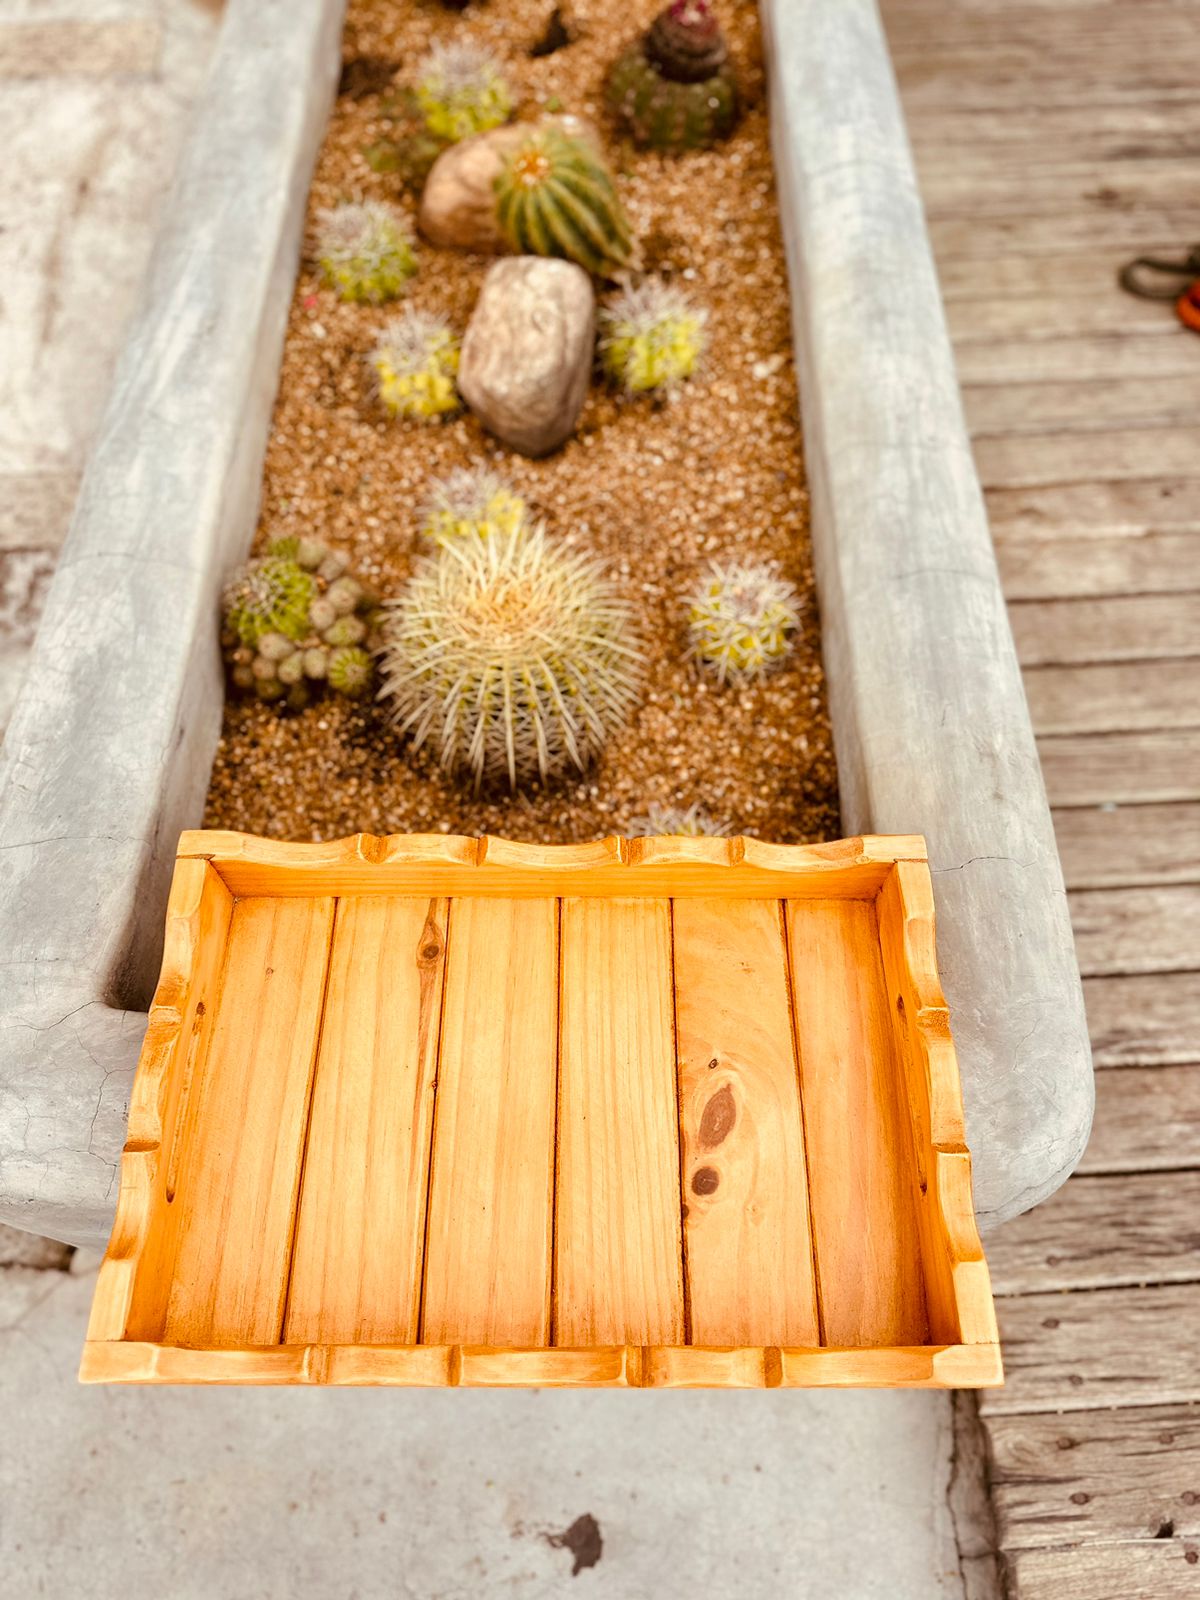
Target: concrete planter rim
(931, 727)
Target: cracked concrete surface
(209, 1494)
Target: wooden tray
(438, 1110)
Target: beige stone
(527, 354)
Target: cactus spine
(365, 251)
(461, 90)
(651, 337)
(513, 655)
(555, 196)
(689, 822)
(471, 502)
(415, 365)
(741, 618)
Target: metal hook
(1132, 283)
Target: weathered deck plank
(1127, 931)
(1120, 768)
(1147, 1120)
(1143, 1021)
(1119, 628)
(1033, 567)
(1108, 846)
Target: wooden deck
(1054, 140)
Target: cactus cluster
(294, 619)
(461, 90)
(471, 503)
(409, 149)
(741, 619)
(512, 655)
(651, 337)
(674, 89)
(415, 363)
(689, 822)
(365, 251)
(555, 196)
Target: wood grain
(1091, 511)
(866, 1238)
(1143, 1021)
(1119, 697)
(240, 1176)
(491, 1201)
(1137, 930)
(750, 1275)
(618, 1245)
(1105, 847)
(1104, 1347)
(1103, 1232)
(1147, 1120)
(1121, 768)
(1123, 628)
(1035, 566)
(1114, 1570)
(360, 1231)
(1027, 408)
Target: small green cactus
(471, 503)
(513, 654)
(292, 619)
(689, 822)
(675, 88)
(365, 251)
(741, 619)
(556, 197)
(651, 337)
(415, 365)
(461, 90)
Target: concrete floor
(347, 1495)
(198, 1494)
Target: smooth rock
(527, 355)
(458, 204)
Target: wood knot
(718, 1118)
(705, 1180)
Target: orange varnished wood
(472, 1113)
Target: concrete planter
(109, 749)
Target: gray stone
(929, 715)
(458, 203)
(527, 355)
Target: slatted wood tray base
(659, 1112)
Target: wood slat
(1116, 697)
(1095, 510)
(360, 1230)
(618, 1244)
(1050, 187)
(1035, 568)
(1097, 1233)
(1124, 628)
(1120, 768)
(491, 1195)
(1143, 1021)
(1110, 846)
(866, 1236)
(1124, 405)
(1160, 1569)
(1107, 1347)
(1096, 1476)
(1108, 455)
(1086, 274)
(1085, 358)
(1137, 930)
(1147, 1120)
(748, 1248)
(1119, 233)
(240, 1176)
(1067, 313)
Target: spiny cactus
(674, 89)
(741, 618)
(556, 197)
(651, 337)
(514, 655)
(365, 251)
(461, 90)
(690, 822)
(415, 365)
(294, 617)
(471, 502)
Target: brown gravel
(657, 491)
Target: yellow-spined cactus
(462, 90)
(415, 365)
(741, 618)
(513, 655)
(365, 251)
(471, 503)
(556, 197)
(652, 337)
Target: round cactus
(471, 502)
(294, 618)
(365, 251)
(689, 822)
(556, 197)
(415, 365)
(515, 656)
(741, 619)
(652, 337)
(675, 88)
(461, 90)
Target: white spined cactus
(471, 502)
(513, 655)
(652, 337)
(461, 89)
(365, 251)
(688, 822)
(741, 618)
